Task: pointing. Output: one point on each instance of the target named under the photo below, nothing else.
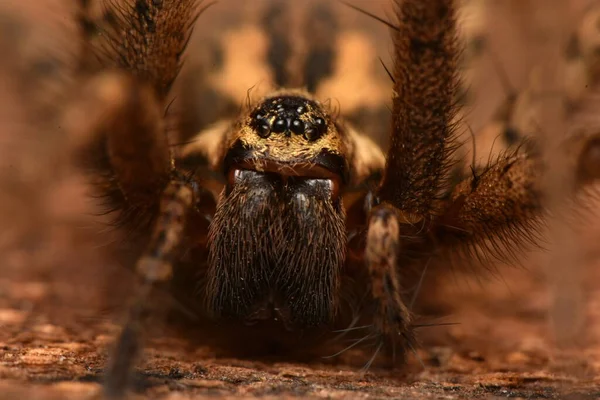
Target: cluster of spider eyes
(311, 130)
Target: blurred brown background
(529, 331)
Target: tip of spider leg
(118, 374)
(367, 366)
(410, 342)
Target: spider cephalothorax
(305, 211)
(289, 131)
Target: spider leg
(392, 319)
(493, 213)
(119, 124)
(499, 210)
(123, 108)
(154, 268)
(132, 169)
(425, 85)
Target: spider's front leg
(122, 107)
(424, 76)
(131, 167)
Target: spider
(286, 217)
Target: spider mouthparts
(292, 178)
(324, 165)
(305, 170)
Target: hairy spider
(286, 217)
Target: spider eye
(289, 115)
(280, 125)
(297, 127)
(263, 130)
(311, 134)
(320, 123)
(316, 130)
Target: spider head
(289, 134)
